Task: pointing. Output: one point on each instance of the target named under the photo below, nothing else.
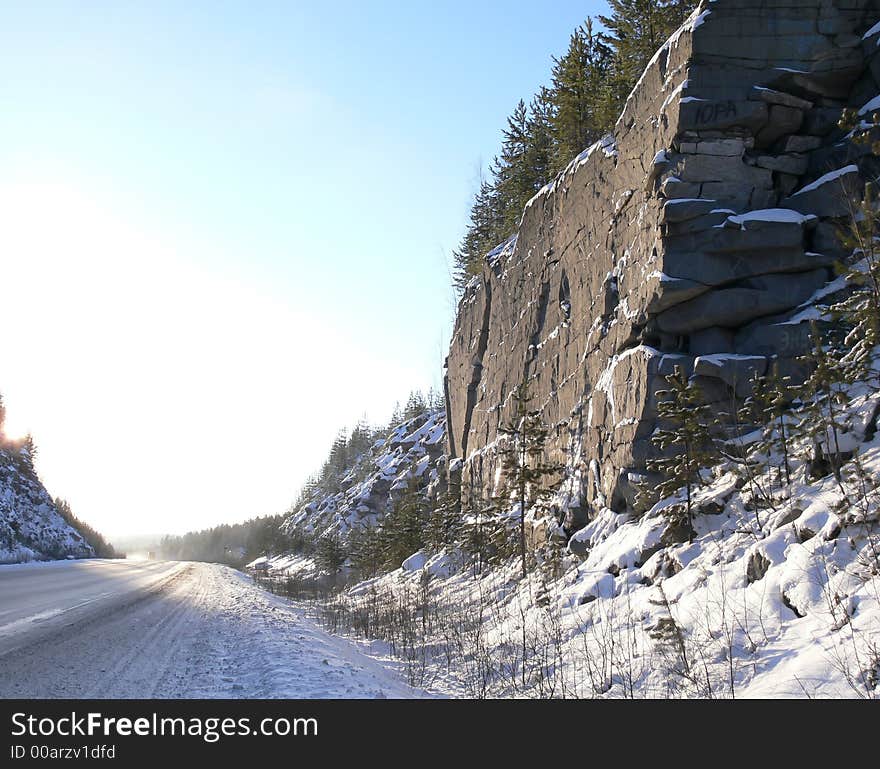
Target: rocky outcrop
(412, 454)
(30, 526)
(695, 235)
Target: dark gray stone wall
(668, 245)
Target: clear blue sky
(227, 229)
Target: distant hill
(31, 527)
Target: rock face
(411, 453)
(30, 526)
(695, 235)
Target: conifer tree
(523, 466)
(637, 28)
(577, 119)
(403, 528)
(445, 523)
(330, 553)
(539, 150)
(361, 439)
(769, 404)
(415, 405)
(512, 174)
(683, 437)
(743, 418)
(859, 312)
(589, 84)
(824, 398)
(479, 531)
(365, 549)
(485, 230)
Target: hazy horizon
(227, 235)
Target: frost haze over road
(120, 629)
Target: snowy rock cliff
(697, 235)
(411, 453)
(30, 526)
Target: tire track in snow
(204, 631)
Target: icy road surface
(123, 629)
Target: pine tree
(445, 523)
(365, 548)
(577, 120)
(637, 28)
(330, 553)
(361, 439)
(513, 179)
(859, 312)
(824, 397)
(403, 528)
(436, 401)
(769, 403)
(523, 466)
(2, 415)
(685, 419)
(26, 455)
(540, 147)
(415, 405)
(485, 230)
(479, 530)
(733, 425)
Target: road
(163, 629)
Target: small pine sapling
(684, 439)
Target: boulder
(757, 567)
(673, 187)
(791, 163)
(826, 240)
(686, 208)
(667, 364)
(801, 144)
(712, 340)
(717, 168)
(782, 121)
(785, 340)
(829, 196)
(716, 269)
(783, 99)
(714, 218)
(736, 194)
(736, 371)
(722, 147)
(736, 306)
(671, 291)
(821, 121)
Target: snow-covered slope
(30, 526)
(777, 594)
(413, 452)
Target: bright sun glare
(129, 351)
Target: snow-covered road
(163, 629)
